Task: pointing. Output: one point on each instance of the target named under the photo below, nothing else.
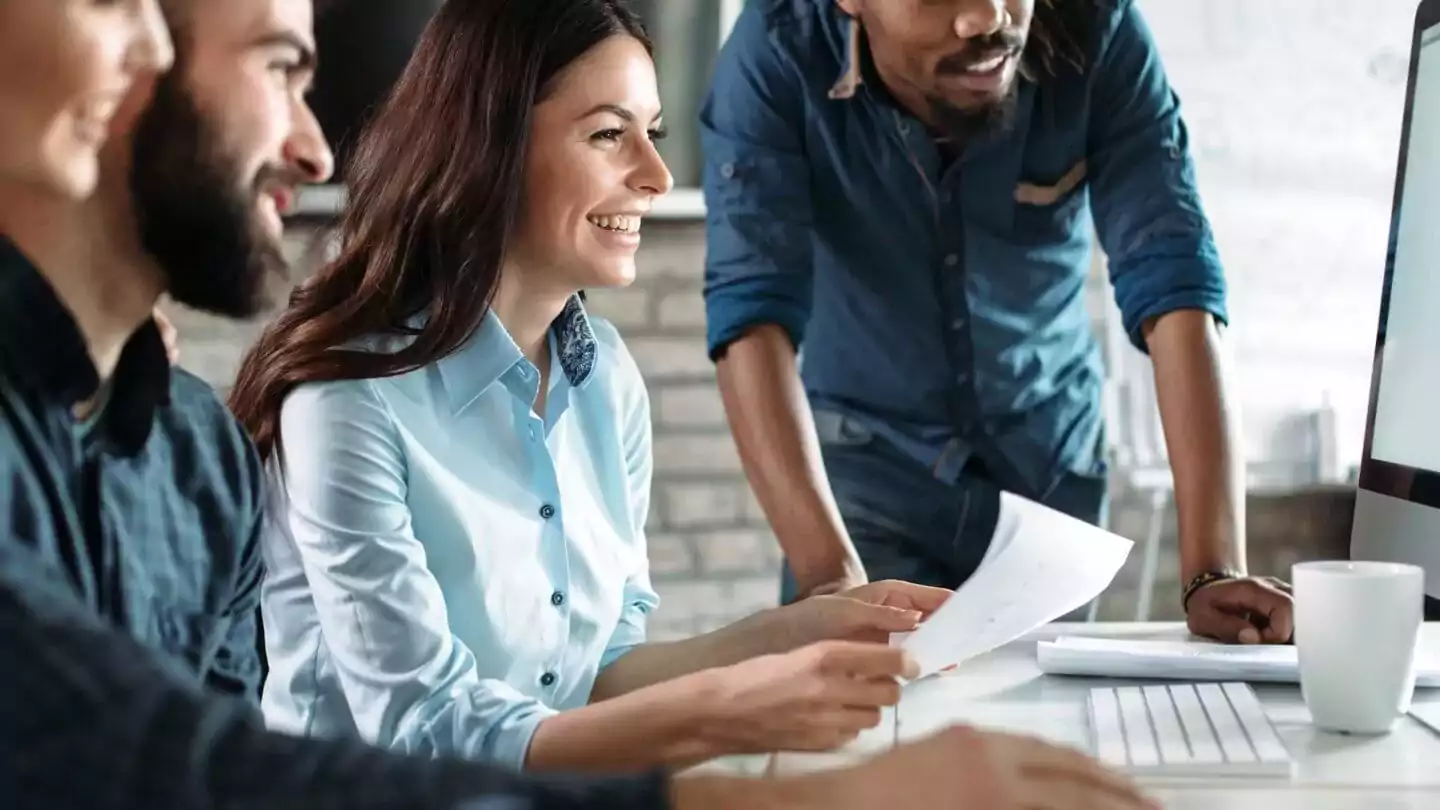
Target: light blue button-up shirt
(445, 568)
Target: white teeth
(986, 66)
(620, 223)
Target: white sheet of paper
(1041, 565)
(1188, 660)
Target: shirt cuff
(1150, 287)
(512, 739)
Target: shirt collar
(46, 350)
(491, 352)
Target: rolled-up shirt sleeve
(757, 190)
(1148, 215)
(411, 685)
(640, 599)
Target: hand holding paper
(1041, 565)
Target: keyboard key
(1204, 748)
(1105, 723)
(1268, 746)
(1168, 734)
(1227, 726)
(1138, 733)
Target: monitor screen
(1406, 427)
(1397, 506)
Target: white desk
(1005, 690)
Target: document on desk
(1189, 660)
(1041, 565)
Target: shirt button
(904, 128)
(727, 170)
(557, 599)
(548, 679)
(547, 511)
(951, 260)
(958, 324)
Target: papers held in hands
(1041, 565)
(1187, 660)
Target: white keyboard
(1186, 730)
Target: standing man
(903, 188)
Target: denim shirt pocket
(1047, 209)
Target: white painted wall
(1295, 109)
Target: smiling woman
(462, 455)
(65, 66)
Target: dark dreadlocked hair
(1061, 34)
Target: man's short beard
(194, 211)
(966, 126)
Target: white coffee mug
(1356, 628)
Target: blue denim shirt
(942, 307)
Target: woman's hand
(815, 698)
(898, 594)
(867, 613)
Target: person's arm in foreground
(412, 686)
(757, 299)
(956, 769)
(1171, 292)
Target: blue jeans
(909, 525)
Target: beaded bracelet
(1203, 579)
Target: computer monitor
(1397, 508)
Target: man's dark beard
(195, 217)
(962, 125)
(965, 126)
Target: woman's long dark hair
(435, 184)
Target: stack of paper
(1041, 565)
(1186, 660)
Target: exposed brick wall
(1294, 109)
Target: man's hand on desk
(867, 613)
(966, 769)
(1246, 610)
